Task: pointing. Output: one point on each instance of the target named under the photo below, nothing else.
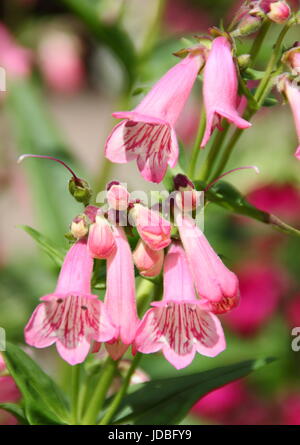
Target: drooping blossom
(15, 59)
(120, 295)
(153, 228)
(179, 325)
(149, 262)
(147, 133)
(101, 241)
(220, 88)
(261, 287)
(71, 316)
(9, 393)
(214, 282)
(292, 93)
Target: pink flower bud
(247, 26)
(280, 12)
(149, 262)
(292, 58)
(154, 230)
(117, 196)
(101, 242)
(79, 226)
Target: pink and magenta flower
(179, 325)
(71, 317)
(220, 89)
(147, 133)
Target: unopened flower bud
(149, 262)
(244, 61)
(80, 190)
(247, 26)
(117, 196)
(154, 230)
(79, 226)
(187, 198)
(292, 58)
(101, 241)
(279, 12)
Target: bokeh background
(69, 65)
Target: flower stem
(196, 147)
(254, 51)
(96, 404)
(76, 372)
(121, 393)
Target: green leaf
(46, 245)
(43, 399)
(15, 410)
(167, 401)
(270, 101)
(110, 34)
(227, 196)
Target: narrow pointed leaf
(15, 410)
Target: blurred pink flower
(261, 286)
(61, 63)
(280, 199)
(292, 93)
(147, 133)
(220, 91)
(290, 410)
(179, 325)
(71, 317)
(219, 404)
(292, 311)
(182, 17)
(9, 393)
(15, 59)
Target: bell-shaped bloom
(220, 88)
(149, 262)
(71, 317)
(213, 281)
(117, 196)
(154, 230)
(179, 325)
(292, 93)
(101, 242)
(147, 133)
(120, 295)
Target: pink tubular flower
(149, 262)
(147, 133)
(220, 87)
(213, 281)
(71, 317)
(117, 196)
(293, 95)
(101, 242)
(154, 230)
(120, 295)
(179, 325)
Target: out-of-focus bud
(244, 61)
(79, 226)
(117, 196)
(247, 26)
(15, 59)
(149, 262)
(292, 58)
(154, 230)
(101, 241)
(80, 190)
(279, 12)
(187, 198)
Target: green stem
(196, 147)
(76, 372)
(121, 393)
(213, 152)
(96, 404)
(254, 51)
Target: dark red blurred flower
(182, 17)
(293, 311)
(290, 410)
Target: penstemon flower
(147, 133)
(148, 261)
(71, 317)
(120, 295)
(213, 281)
(220, 88)
(179, 325)
(101, 242)
(292, 93)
